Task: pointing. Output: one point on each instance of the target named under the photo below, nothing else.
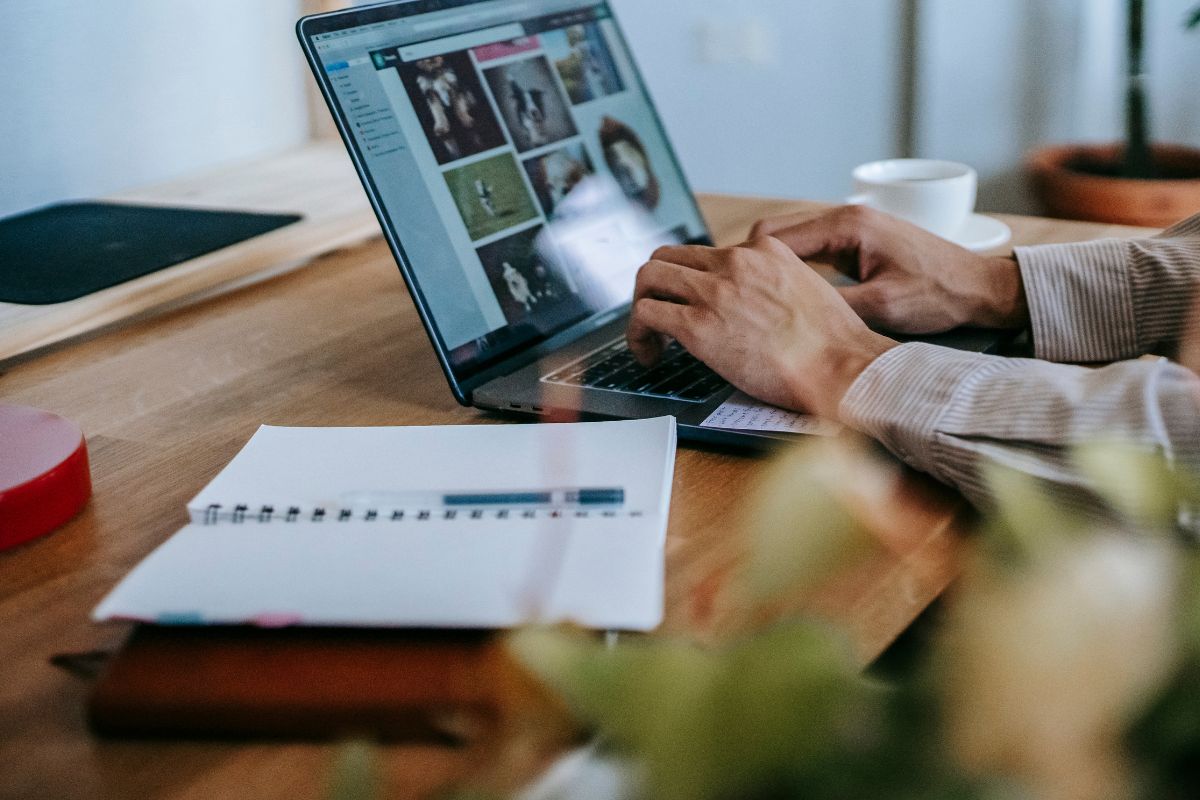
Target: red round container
(44, 475)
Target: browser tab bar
(464, 41)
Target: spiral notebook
(409, 528)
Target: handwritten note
(743, 413)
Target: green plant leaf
(1193, 20)
(1025, 522)
(1189, 606)
(806, 524)
(785, 713)
(1138, 483)
(354, 773)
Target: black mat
(67, 251)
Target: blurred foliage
(1165, 741)
(802, 538)
(1068, 665)
(786, 713)
(355, 773)
(1139, 484)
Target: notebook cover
(300, 556)
(68, 251)
(307, 684)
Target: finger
(650, 323)
(836, 237)
(692, 256)
(769, 245)
(865, 300)
(772, 225)
(661, 280)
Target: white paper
(741, 412)
(600, 573)
(602, 569)
(318, 467)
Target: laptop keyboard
(678, 376)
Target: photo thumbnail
(531, 103)
(491, 195)
(629, 162)
(528, 290)
(554, 175)
(450, 102)
(585, 62)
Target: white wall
(778, 97)
(1000, 78)
(785, 99)
(107, 94)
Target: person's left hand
(760, 317)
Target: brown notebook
(307, 684)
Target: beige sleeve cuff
(1080, 301)
(901, 398)
(1110, 300)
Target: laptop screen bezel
(463, 382)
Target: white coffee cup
(938, 196)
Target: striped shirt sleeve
(946, 412)
(1110, 300)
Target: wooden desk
(167, 401)
(317, 181)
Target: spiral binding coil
(242, 514)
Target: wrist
(1000, 296)
(841, 366)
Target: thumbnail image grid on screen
(514, 125)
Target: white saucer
(982, 233)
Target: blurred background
(765, 97)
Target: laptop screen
(516, 155)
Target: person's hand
(760, 317)
(911, 280)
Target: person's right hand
(912, 282)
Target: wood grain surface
(167, 400)
(316, 181)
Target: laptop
(522, 176)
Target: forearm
(1113, 299)
(947, 413)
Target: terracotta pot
(1072, 194)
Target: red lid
(44, 476)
